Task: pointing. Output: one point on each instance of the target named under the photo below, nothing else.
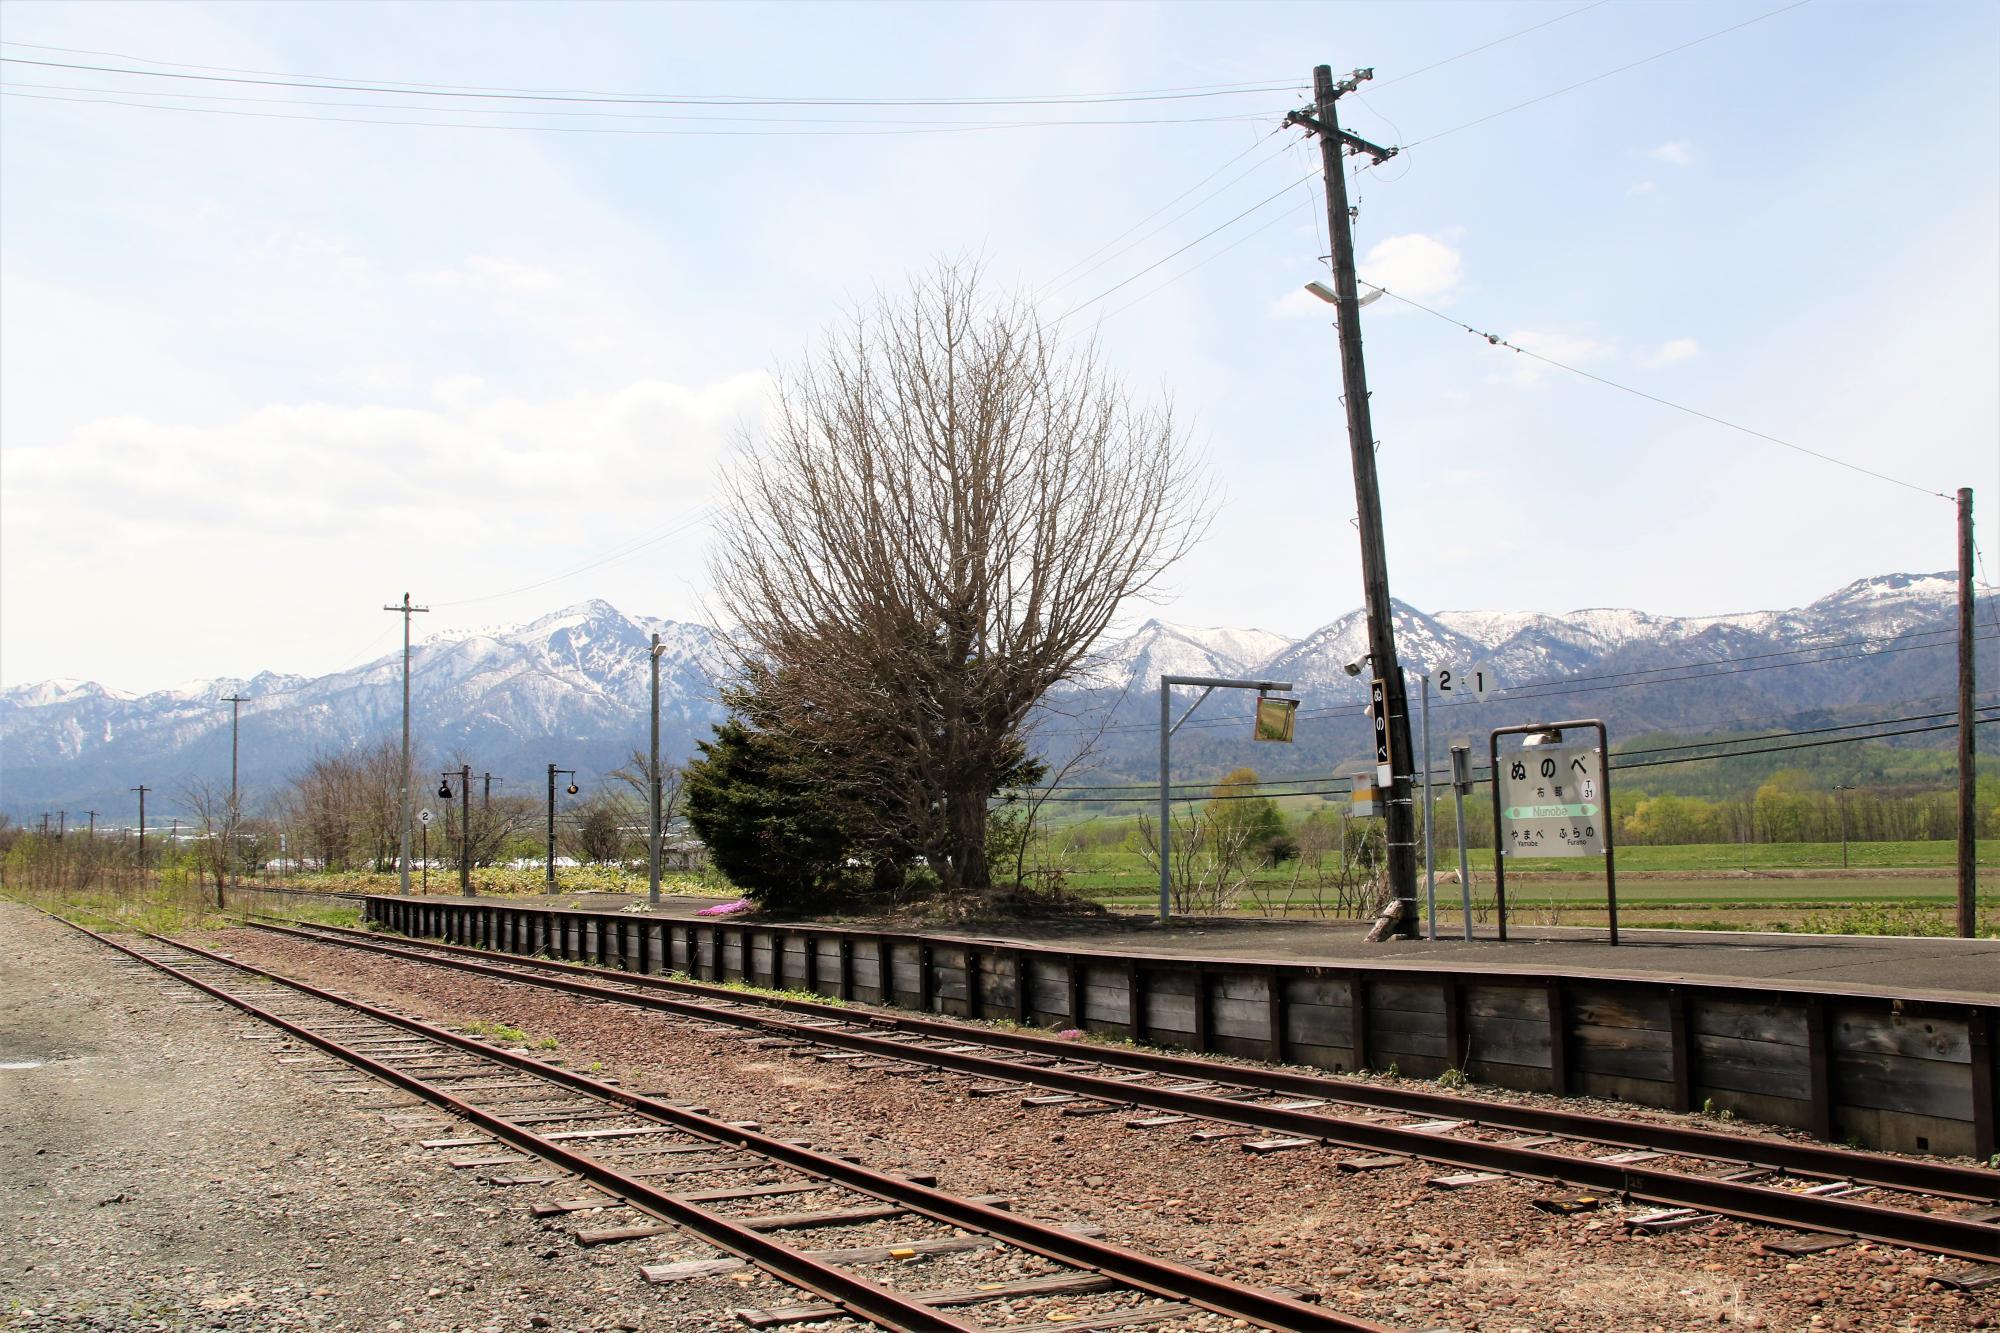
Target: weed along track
(825, 1224)
(1687, 1175)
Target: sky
(272, 355)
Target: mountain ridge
(571, 687)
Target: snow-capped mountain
(571, 688)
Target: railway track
(598, 1146)
(1689, 1173)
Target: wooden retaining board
(1903, 1074)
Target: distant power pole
(62, 821)
(235, 702)
(92, 835)
(407, 611)
(1968, 772)
(142, 789)
(1323, 122)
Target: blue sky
(263, 372)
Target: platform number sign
(1462, 682)
(425, 817)
(1551, 801)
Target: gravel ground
(158, 1171)
(1380, 1244)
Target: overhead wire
(1479, 777)
(1521, 692)
(1495, 340)
(1599, 78)
(309, 82)
(1748, 738)
(790, 131)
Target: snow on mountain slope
(571, 687)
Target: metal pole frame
(1211, 684)
(1499, 847)
(571, 774)
(653, 783)
(1430, 822)
(465, 830)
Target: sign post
(1551, 799)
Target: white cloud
(1674, 350)
(1414, 265)
(1563, 347)
(1643, 187)
(490, 273)
(1679, 153)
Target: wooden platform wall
(1902, 1074)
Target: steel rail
(1938, 1233)
(1155, 1276)
(1927, 1177)
(855, 1294)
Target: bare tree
(213, 816)
(946, 512)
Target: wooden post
(1076, 996)
(1357, 1008)
(1200, 1007)
(1135, 1001)
(972, 982)
(846, 968)
(1681, 1035)
(1454, 1024)
(1819, 1067)
(1558, 1038)
(1979, 1034)
(926, 983)
(1022, 978)
(1274, 999)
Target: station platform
(1897, 966)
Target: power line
(674, 529)
(1498, 341)
(1262, 203)
(350, 104)
(789, 131)
(313, 82)
(1063, 279)
(1488, 46)
(1483, 777)
(1598, 78)
(1559, 685)
(1647, 750)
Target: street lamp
(464, 776)
(570, 773)
(1840, 791)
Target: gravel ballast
(1382, 1244)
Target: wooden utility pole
(1323, 122)
(1968, 772)
(406, 611)
(142, 789)
(235, 702)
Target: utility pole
(653, 784)
(62, 822)
(1968, 773)
(235, 702)
(92, 835)
(1323, 122)
(406, 611)
(142, 789)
